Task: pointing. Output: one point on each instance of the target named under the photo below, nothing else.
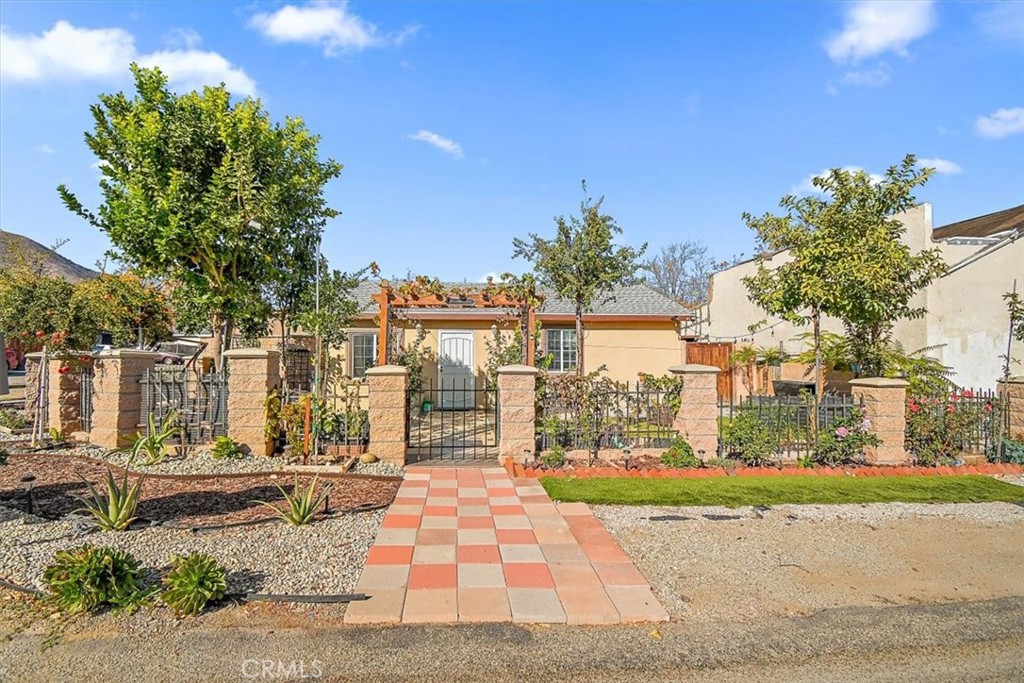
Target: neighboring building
(966, 322)
(632, 330)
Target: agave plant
(85, 578)
(152, 446)
(194, 581)
(116, 510)
(302, 505)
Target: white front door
(455, 370)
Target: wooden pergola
(388, 299)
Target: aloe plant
(302, 505)
(86, 578)
(153, 445)
(194, 581)
(117, 509)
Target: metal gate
(436, 431)
(85, 392)
(199, 401)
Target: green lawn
(740, 491)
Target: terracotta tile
(528, 575)
(535, 606)
(395, 537)
(503, 500)
(477, 537)
(481, 575)
(413, 484)
(408, 500)
(501, 491)
(586, 605)
(478, 554)
(499, 510)
(579, 574)
(564, 552)
(397, 509)
(512, 536)
(439, 511)
(400, 522)
(636, 603)
(553, 521)
(472, 502)
(382, 607)
(555, 535)
(438, 523)
(472, 492)
(521, 553)
(390, 554)
(416, 476)
(383, 576)
(432, 576)
(413, 493)
(434, 606)
(619, 574)
(511, 522)
(535, 499)
(436, 537)
(475, 523)
(443, 474)
(605, 552)
(442, 501)
(483, 605)
(474, 511)
(434, 554)
(540, 509)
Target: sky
(462, 125)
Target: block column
(252, 374)
(64, 393)
(517, 406)
(387, 412)
(697, 419)
(117, 395)
(885, 406)
(32, 388)
(1012, 392)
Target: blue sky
(463, 125)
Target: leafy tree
(1015, 307)
(848, 259)
(130, 309)
(681, 271)
(206, 193)
(336, 309)
(581, 262)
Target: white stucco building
(967, 320)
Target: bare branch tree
(680, 271)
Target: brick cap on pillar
(693, 369)
(126, 353)
(35, 355)
(1016, 379)
(387, 370)
(886, 382)
(517, 370)
(251, 353)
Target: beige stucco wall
(966, 317)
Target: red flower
(967, 393)
(950, 409)
(954, 398)
(914, 408)
(40, 333)
(85, 359)
(988, 407)
(63, 370)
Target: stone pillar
(64, 394)
(252, 374)
(517, 399)
(32, 362)
(1012, 392)
(387, 412)
(885, 405)
(697, 419)
(117, 395)
(4, 386)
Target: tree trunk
(816, 317)
(217, 342)
(579, 341)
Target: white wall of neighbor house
(966, 322)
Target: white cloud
(185, 38)
(67, 53)
(868, 78)
(444, 144)
(873, 27)
(806, 185)
(44, 149)
(192, 69)
(493, 275)
(941, 166)
(328, 24)
(1000, 123)
(1002, 22)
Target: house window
(364, 354)
(561, 346)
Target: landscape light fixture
(28, 481)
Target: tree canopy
(848, 258)
(681, 272)
(207, 193)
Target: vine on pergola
(516, 294)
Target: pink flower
(63, 370)
(950, 409)
(914, 408)
(967, 393)
(988, 407)
(842, 432)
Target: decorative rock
(367, 458)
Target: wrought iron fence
(344, 420)
(85, 394)
(584, 414)
(790, 420)
(454, 419)
(298, 371)
(198, 401)
(967, 421)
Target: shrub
(152, 446)
(679, 454)
(940, 428)
(302, 505)
(554, 457)
(1012, 451)
(115, 511)
(194, 581)
(754, 440)
(14, 420)
(844, 440)
(86, 578)
(4, 454)
(226, 448)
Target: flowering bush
(844, 440)
(941, 428)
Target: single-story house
(966, 326)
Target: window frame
(372, 353)
(558, 352)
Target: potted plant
(271, 422)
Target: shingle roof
(629, 300)
(983, 226)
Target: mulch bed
(186, 500)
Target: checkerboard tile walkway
(473, 545)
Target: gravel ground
(709, 563)
(324, 557)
